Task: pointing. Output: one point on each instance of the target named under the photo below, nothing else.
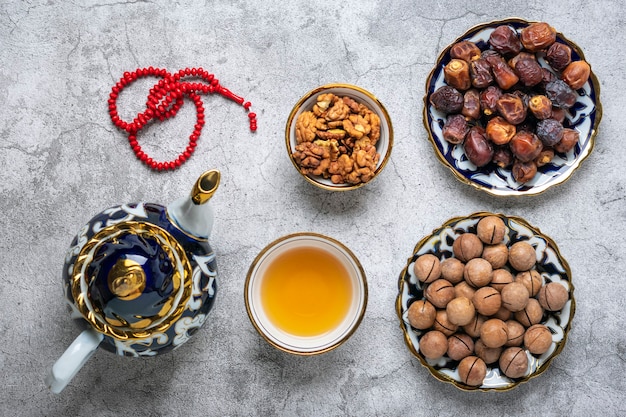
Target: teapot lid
(131, 280)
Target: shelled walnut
(337, 139)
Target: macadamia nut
(491, 230)
(487, 354)
(514, 296)
(452, 270)
(493, 333)
(444, 325)
(472, 371)
(522, 256)
(427, 268)
(553, 296)
(433, 344)
(496, 255)
(531, 314)
(515, 332)
(439, 292)
(477, 272)
(514, 362)
(473, 328)
(421, 314)
(487, 301)
(531, 279)
(460, 345)
(538, 339)
(500, 277)
(467, 246)
(460, 311)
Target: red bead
(164, 100)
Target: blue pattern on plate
(158, 270)
(584, 116)
(551, 266)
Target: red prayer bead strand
(164, 101)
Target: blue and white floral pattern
(551, 266)
(584, 116)
(204, 273)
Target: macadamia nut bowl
(506, 173)
(470, 342)
(339, 137)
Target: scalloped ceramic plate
(584, 116)
(551, 266)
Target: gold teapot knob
(127, 279)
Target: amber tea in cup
(306, 293)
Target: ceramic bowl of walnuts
(486, 302)
(512, 107)
(339, 137)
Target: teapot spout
(205, 186)
(192, 214)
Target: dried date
(559, 56)
(465, 50)
(504, 40)
(576, 74)
(456, 73)
(525, 146)
(568, 141)
(529, 71)
(512, 108)
(447, 99)
(480, 73)
(524, 171)
(471, 104)
(560, 94)
(537, 36)
(477, 148)
(455, 129)
(499, 131)
(549, 131)
(540, 106)
(489, 98)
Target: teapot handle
(73, 359)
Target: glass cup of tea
(306, 293)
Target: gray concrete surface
(63, 161)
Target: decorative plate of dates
(512, 107)
(486, 302)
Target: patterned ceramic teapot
(141, 278)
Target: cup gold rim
(359, 315)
